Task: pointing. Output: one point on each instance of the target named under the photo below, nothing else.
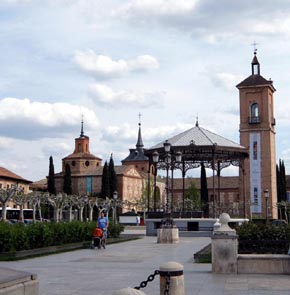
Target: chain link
(167, 284)
(149, 279)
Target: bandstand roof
(201, 145)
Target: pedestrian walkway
(100, 272)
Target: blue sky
(109, 60)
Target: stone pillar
(128, 291)
(176, 283)
(167, 235)
(224, 245)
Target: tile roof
(5, 173)
(256, 80)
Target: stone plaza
(88, 272)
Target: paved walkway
(88, 272)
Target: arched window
(254, 117)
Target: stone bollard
(175, 271)
(128, 291)
(224, 245)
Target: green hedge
(17, 237)
(255, 231)
(263, 239)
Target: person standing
(103, 224)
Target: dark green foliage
(260, 238)
(192, 199)
(67, 184)
(50, 182)
(17, 237)
(115, 230)
(203, 185)
(105, 191)
(204, 190)
(281, 181)
(112, 177)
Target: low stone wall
(14, 282)
(263, 264)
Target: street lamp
(155, 157)
(115, 197)
(266, 195)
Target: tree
(203, 185)
(6, 195)
(281, 181)
(67, 184)
(192, 199)
(204, 190)
(105, 191)
(50, 182)
(112, 177)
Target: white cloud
(103, 95)
(226, 81)
(159, 7)
(104, 67)
(143, 63)
(210, 19)
(23, 118)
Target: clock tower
(257, 133)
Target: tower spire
(139, 143)
(82, 127)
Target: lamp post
(266, 195)
(155, 157)
(167, 160)
(170, 164)
(115, 197)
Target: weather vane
(139, 115)
(255, 47)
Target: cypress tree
(278, 180)
(50, 182)
(105, 191)
(204, 190)
(67, 183)
(283, 181)
(203, 185)
(112, 177)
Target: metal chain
(167, 284)
(149, 279)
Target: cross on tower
(255, 47)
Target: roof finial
(82, 128)
(196, 121)
(255, 47)
(139, 115)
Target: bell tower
(257, 133)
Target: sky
(107, 61)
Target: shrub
(16, 237)
(259, 238)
